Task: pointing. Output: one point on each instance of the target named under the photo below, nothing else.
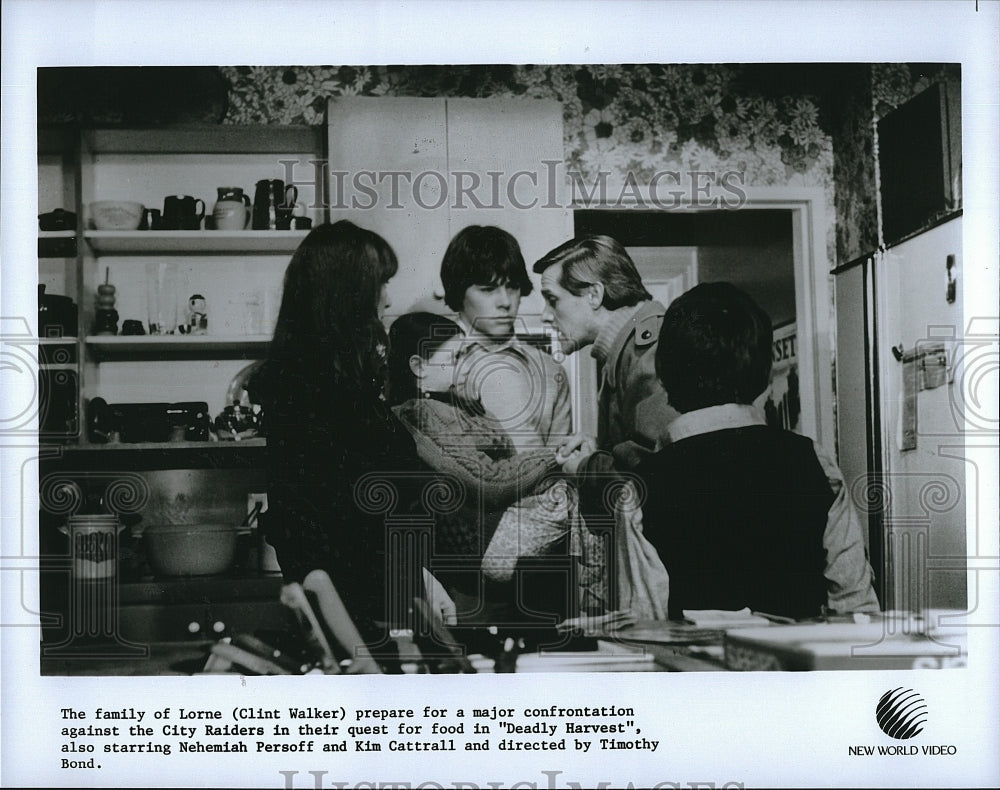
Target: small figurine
(197, 315)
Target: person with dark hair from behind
(485, 278)
(328, 427)
(743, 514)
(595, 296)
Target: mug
(285, 216)
(271, 200)
(151, 220)
(182, 212)
(232, 209)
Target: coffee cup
(283, 219)
(151, 219)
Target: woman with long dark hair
(328, 425)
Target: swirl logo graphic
(901, 713)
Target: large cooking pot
(190, 549)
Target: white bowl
(116, 214)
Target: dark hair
(714, 348)
(597, 259)
(328, 320)
(482, 255)
(414, 333)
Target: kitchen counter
(188, 658)
(663, 647)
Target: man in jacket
(595, 297)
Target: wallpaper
(618, 118)
(778, 124)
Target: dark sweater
(321, 441)
(738, 517)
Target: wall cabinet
(418, 170)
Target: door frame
(813, 304)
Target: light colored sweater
(475, 450)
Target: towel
(642, 581)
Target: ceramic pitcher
(232, 209)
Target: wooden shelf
(122, 347)
(219, 446)
(206, 242)
(209, 139)
(152, 456)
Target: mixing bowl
(116, 214)
(190, 549)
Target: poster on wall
(119, 665)
(783, 407)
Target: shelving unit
(233, 270)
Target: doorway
(773, 247)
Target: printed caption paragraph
(91, 739)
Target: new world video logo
(901, 713)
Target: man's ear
(417, 366)
(595, 295)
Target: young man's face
(573, 316)
(491, 309)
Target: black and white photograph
(656, 375)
